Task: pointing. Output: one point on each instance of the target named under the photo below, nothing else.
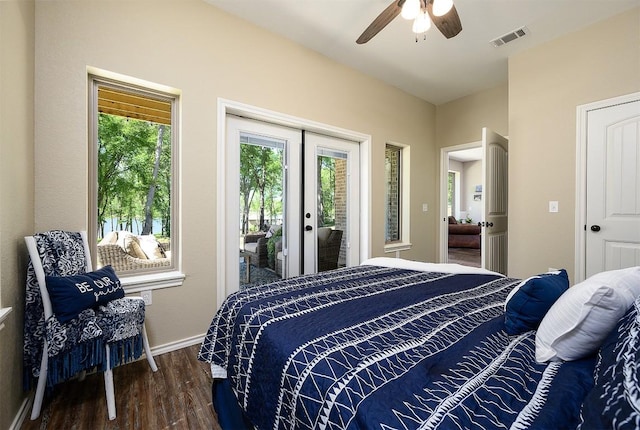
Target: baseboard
(23, 413)
(174, 346)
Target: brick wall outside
(341, 205)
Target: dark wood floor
(177, 396)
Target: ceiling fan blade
(381, 21)
(448, 24)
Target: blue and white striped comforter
(377, 347)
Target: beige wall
(16, 189)
(206, 54)
(546, 84)
(537, 110)
(471, 176)
(461, 121)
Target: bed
(395, 344)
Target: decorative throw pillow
(528, 303)
(613, 401)
(132, 247)
(151, 247)
(70, 295)
(109, 238)
(581, 318)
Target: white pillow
(578, 322)
(150, 246)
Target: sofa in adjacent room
(463, 235)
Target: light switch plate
(553, 206)
(425, 207)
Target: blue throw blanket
(80, 343)
(374, 347)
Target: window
(133, 147)
(396, 162)
(452, 207)
(392, 166)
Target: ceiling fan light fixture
(449, 24)
(442, 7)
(422, 23)
(410, 9)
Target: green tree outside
(134, 175)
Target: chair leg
(147, 350)
(108, 387)
(42, 383)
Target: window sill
(4, 312)
(397, 247)
(154, 281)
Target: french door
(291, 202)
(331, 203)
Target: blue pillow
(70, 295)
(613, 401)
(528, 303)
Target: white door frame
(444, 179)
(581, 176)
(231, 107)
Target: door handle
(595, 228)
(308, 228)
(485, 224)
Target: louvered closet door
(495, 224)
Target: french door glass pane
(262, 188)
(331, 209)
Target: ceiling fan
(442, 13)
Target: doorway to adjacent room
(464, 182)
(474, 209)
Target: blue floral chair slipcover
(102, 337)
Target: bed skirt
(230, 416)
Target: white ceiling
(437, 70)
(465, 155)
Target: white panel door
(613, 188)
(331, 202)
(495, 149)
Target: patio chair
(329, 243)
(255, 246)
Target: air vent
(509, 37)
